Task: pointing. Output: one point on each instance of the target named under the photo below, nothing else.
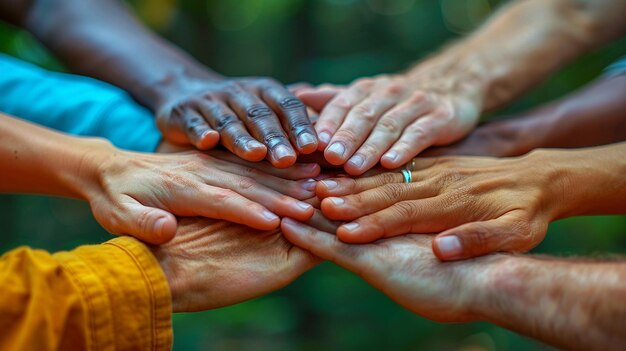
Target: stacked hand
(406, 270)
(140, 194)
(254, 118)
(211, 264)
(391, 119)
(477, 205)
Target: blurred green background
(316, 41)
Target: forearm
(573, 305)
(102, 39)
(590, 117)
(37, 160)
(523, 43)
(583, 181)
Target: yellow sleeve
(112, 296)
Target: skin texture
(392, 118)
(479, 205)
(574, 305)
(591, 116)
(211, 264)
(140, 194)
(255, 118)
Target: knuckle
(394, 88)
(390, 123)
(232, 87)
(366, 113)
(341, 103)
(387, 178)
(226, 121)
(291, 103)
(393, 191)
(364, 83)
(266, 82)
(345, 135)
(406, 209)
(143, 221)
(481, 240)
(221, 194)
(258, 111)
(418, 97)
(245, 183)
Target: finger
(264, 126)
(418, 216)
(418, 136)
(186, 125)
(297, 87)
(152, 225)
(301, 189)
(356, 128)
(338, 108)
(318, 221)
(233, 133)
(345, 186)
(507, 233)
(322, 244)
(293, 115)
(251, 190)
(228, 205)
(317, 99)
(387, 131)
(351, 207)
(298, 171)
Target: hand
(498, 139)
(211, 264)
(480, 205)
(247, 114)
(406, 270)
(391, 118)
(139, 194)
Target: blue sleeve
(617, 68)
(75, 105)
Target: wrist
(504, 287)
(93, 164)
(479, 277)
(557, 176)
(172, 275)
(175, 81)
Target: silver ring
(410, 165)
(408, 177)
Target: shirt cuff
(125, 294)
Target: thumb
(481, 238)
(149, 224)
(317, 98)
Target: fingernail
(336, 200)
(324, 137)
(449, 246)
(306, 139)
(329, 184)
(269, 215)
(303, 205)
(391, 155)
(357, 161)
(308, 185)
(351, 226)
(337, 148)
(158, 225)
(281, 151)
